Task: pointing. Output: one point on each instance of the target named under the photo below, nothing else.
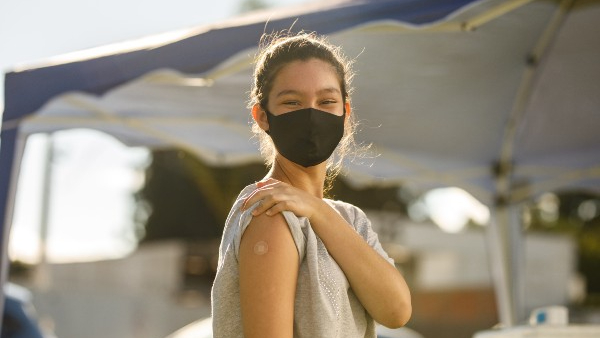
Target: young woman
(293, 263)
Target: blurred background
(117, 241)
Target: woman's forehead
(314, 75)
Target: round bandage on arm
(261, 248)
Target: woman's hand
(378, 285)
(276, 196)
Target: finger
(268, 181)
(256, 196)
(261, 184)
(268, 184)
(277, 208)
(267, 202)
(247, 201)
(264, 187)
(264, 205)
(265, 190)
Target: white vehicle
(203, 329)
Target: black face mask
(306, 136)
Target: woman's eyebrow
(327, 90)
(287, 92)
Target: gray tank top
(325, 305)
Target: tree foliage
(252, 5)
(576, 213)
(185, 198)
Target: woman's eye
(291, 103)
(329, 102)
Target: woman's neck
(310, 179)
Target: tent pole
(506, 229)
(508, 252)
(516, 251)
(499, 266)
(41, 277)
(507, 261)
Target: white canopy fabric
(442, 106)
(500, 98)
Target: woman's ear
(348, 108)
(260, 116)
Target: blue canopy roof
(28, 90)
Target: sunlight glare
(91, 200)
(452, 209)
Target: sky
(34, 30)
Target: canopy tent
(499, 98)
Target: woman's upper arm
(268, 262)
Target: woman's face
(306, 84)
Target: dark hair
(276, 51)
